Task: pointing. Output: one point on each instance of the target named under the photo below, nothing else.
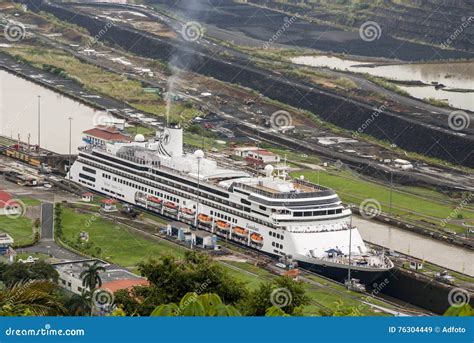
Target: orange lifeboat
(171, 205)
(204, 219)
(187, 211)
(154, 200)
(223, 225)
(256, 238)
(240, 231)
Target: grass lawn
(119, 244)
(20, 229)
(354, 190)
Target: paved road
(51, 248)
(47, 221)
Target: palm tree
(194, 305)
(30, 298)
(90, 276)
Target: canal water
(19, 115)
(424, 248)
(455, 76)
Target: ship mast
(350, 253)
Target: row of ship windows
(317, 213)
(190, 190)
(278, 245)
(276, 235)
(112, 192)
(141, 188)
(86, 183)
(175, 186)
(223, 216)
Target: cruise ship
(283, 217)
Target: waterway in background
(452, 75)
(19, 115)
(424, 248)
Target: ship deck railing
(319, 191)
(355, 261)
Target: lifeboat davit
(240, 231)
(204, 219)
(223, 225)
(256, 238)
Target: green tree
(31, 298)
(460, 311)
(172, 279)
(91, 276)
(195, 305)
(78, 305)
(21, 272)
(139, 301)
(283, 292)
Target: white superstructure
(282, 217)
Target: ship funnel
(171, 141)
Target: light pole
(39, 122)
(70, 147)
(391, 191)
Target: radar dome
(139, 138)
(199, 153)
(269, 169)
